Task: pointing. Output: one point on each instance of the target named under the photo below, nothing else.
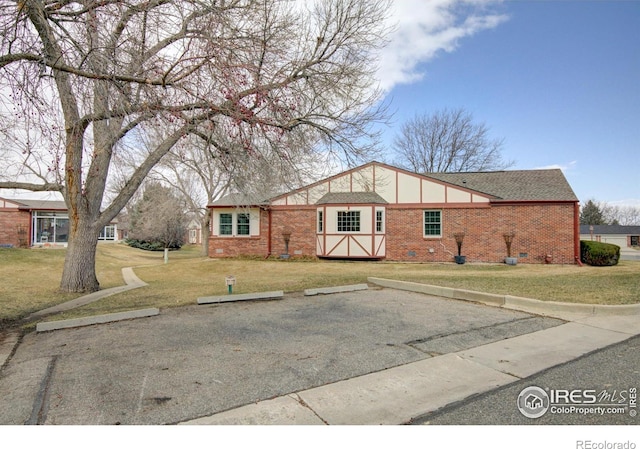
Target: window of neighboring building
(226, 224)
(379, 227)
(243, 224)
(50, 227)
(108, 233)
(349, 221)
(320, 221)
(635, 240)
(433, 223)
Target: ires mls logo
(533, 402)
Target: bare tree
(619, 215)
(447, 141)
(86, 82)
(203, 175)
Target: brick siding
(541, 230)
(10, 221)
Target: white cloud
(629, 202)
(564, 167)
(425, 28)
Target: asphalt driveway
(196, 361)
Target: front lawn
(31, 277)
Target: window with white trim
(379, 221)
(243, 224)
(320, 221)
(432, 223)
(226, 224)
(349, 221)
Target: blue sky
(558, 80)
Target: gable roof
(610, 229)
(40, 204)
(239, 200)
(514, 185)
(351, 198)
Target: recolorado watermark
(588, 444)
(534, 402)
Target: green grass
(31, 278)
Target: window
(635, 240)
(432, 223)
(108, 233)
(226, 224)
(243, 224)
(349, 221)
(50, 227)
(320, 221)
(379, 221)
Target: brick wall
(10, 220)
(541, 230)
(302, 224)
(242, 246)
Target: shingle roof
(41, 204)
(240, 199)
(611, 229)
(351, 198)
(518, 185)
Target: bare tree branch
(447, 141)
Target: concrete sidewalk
(399, 395)
(131, 280)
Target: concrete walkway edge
(131, 280)
(339, 289)
(546, 308)
(240, 297)
(96, 319)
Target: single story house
(377, 211)
(194, 232)
(623, 236)
(27, 223)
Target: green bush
(148, 246)
(599, 254)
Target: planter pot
(460, 259)
(511, 260)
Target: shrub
(149, 246)
(599, 254)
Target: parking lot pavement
(197, 361)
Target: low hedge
(149, 246)
(599, 254)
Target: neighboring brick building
(377, 211)
(26, 223)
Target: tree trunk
(204, 232)
(79, 274)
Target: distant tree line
(601, 213)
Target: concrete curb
(339, 289)
(241, 297)
(548, 308)
(131, 280)
(97, 319)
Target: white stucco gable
(394, 185)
